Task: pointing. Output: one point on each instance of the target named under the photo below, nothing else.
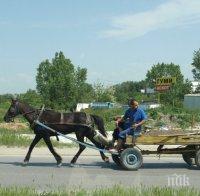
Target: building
(101, 105)
(195, 84)
(82, 106)
(192, 101)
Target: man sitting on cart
(133, 119)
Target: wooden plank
(168, 140)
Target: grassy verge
(13, 139)
(114, 191)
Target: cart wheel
(116, 159)
(131, 159)
(188, 159)
(197, 158)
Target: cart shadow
(171, 166)
(167, 166)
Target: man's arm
(143, 117)
(139, 124)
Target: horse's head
(13, 111)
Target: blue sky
(115, 40)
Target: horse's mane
(100, 124)
(27, 105)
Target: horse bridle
(17, 112)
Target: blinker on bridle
(17, 112)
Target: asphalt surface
(90, 172)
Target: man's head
(133, 103)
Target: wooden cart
(131, 158)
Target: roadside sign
(165, 81)
(162, 87)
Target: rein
(23, 114)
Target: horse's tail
(100, 124)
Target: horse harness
(37, 113)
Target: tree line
(61, 85)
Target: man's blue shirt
(133, 116)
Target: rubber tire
(135, 163)
(189, 156)
(188, 159)
(116, 159)
(197, 158)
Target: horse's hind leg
(50, 146)
(81, 149)
(34, 142)
(98, 145)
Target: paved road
(91, 172)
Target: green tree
(196, 65)
(129, 89)
(103, 94)
(196, 68)
(31, 97)
(5, 98)
(176, 93)
(84, 91)
(60, 84)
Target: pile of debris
(167, 125)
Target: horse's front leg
(58, 158)
(81, 148)
(34, 142)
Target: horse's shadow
(33, 164)
(67, 165)
(98, 165)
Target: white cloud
(167, 15)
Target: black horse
(80, 123)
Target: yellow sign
(166, 81)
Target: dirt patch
(15, 126)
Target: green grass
(3, 109)
(13, 139)
(114, 191)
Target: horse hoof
(25, 163)
(59, 164)
(74, 165)
(107, 160)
